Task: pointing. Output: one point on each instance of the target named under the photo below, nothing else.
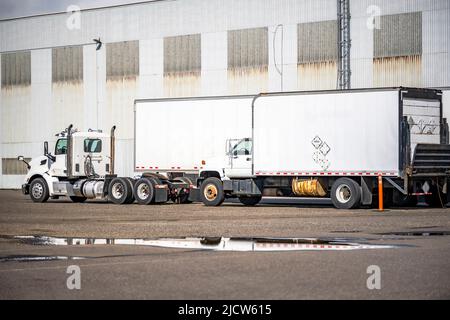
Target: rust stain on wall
(182, 84)
(121, 93)
(16, 109)
(397, 71)
(67, 105)
(317, 76)
(248, 80)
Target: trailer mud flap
(161, 194)
(366, 194)
(194, 195)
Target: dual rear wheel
(120, 191)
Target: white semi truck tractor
(337, 144)
(82, 167)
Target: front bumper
(25, 188)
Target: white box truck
(335, 144)
(174, 137)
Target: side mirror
(21, 158)
(235, 153)
(48, 155)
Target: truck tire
(250, 201)
(184, 199)
(130, 199)
(211, 192)
(39, 190)
(78, 199)
(119, 191)
(346, 194)
(144, 191)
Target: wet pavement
(303, 250)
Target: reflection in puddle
(25, 258)
(417, 233)
(217, 243)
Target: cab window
(244, 147)
(92, 145)
(61, 147)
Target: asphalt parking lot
(414, 264)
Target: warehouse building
(53, 73)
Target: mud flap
(447, 189)
(194, 195)
(366, 194)
(161, 194)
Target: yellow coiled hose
(309, 188)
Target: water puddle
(417, 233)
(217, 243)
(29, 258)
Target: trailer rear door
(424, 119)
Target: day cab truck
(299, 144)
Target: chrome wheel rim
(343, 193)
(117, 190)
(38, 190)
(143, 191)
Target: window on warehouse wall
(248, 60)
(397, 50)
(182, 65)
(317, 55)
(12, 166)
(16, 106)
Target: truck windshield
(61, 147)
(243, 147)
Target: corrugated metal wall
(248, 60)
(122, 83)
(397, 50)
(67, 87)
(232, 48)
(182, 65)
(317, 55)
(15, 107)
(16, 69)
(11, 166)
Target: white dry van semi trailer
(335, 144)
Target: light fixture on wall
(99, 43)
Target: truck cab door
(240, 160)
(58, 168)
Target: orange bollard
(380, 193)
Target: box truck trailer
(336, 144)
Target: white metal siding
(150, 23)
